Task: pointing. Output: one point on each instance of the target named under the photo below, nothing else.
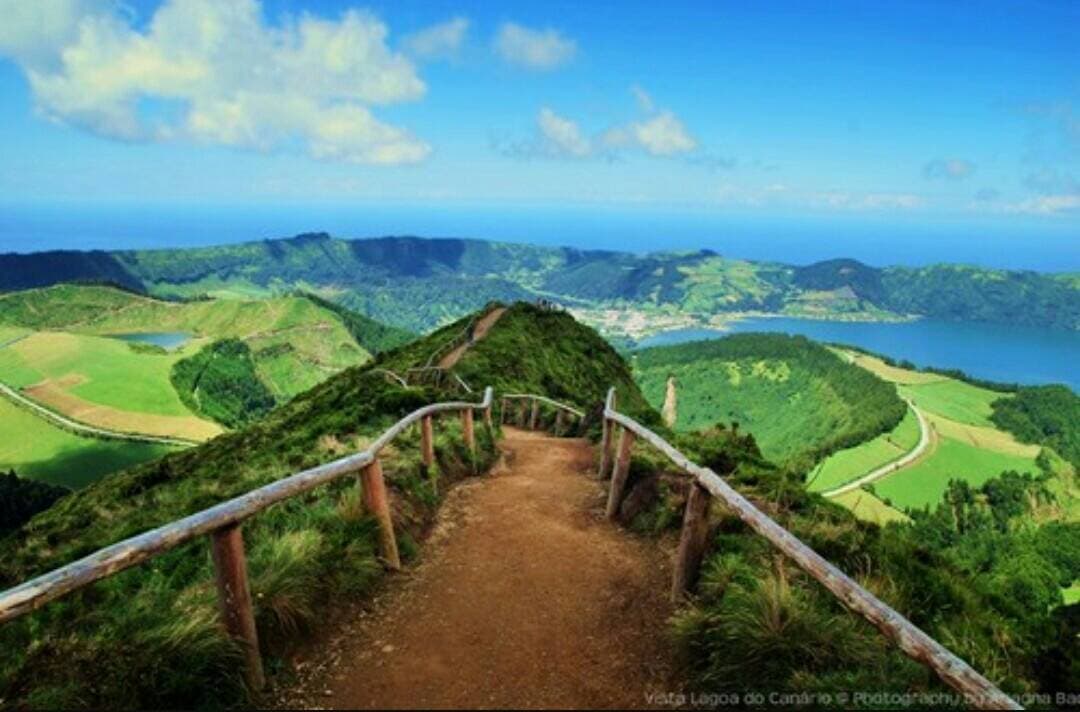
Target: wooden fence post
(467, 429)
(606, 439)
(377, 503)
(558, 421)
(427, 442)
(230, 566)
(487, 418)
(502, 412)
(535, 414)
(692, 541)
(621, 473)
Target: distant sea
(1056, 247)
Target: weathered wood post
(502, 413)
(520, 422)
(535, 414)
(558, 421)
(692, 541)
(377, 503)
(606, 438)
(621, 473)
(427, 442)
(230, 567)
(467, 429)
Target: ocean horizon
(38, 228)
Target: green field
(37, 450)
(867, 507)
(924, 483)
(109, 371)
(847, 465)
(954, 400)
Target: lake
(996, 352)
(168, 340)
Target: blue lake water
(168, 340)
(1004, 353)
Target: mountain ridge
(418, 283)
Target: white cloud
(215, 72)
(438, 41)
(1048, 205)
(540, 50)
(661, 135)
(562, 135)
(948, 169)
(865, 201)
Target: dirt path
(480, 330)
(526, 597)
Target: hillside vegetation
(1046, 415)
(149, 637)
(220, 383)
(419, 283)
(799, 400)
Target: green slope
(149, 637)
(800, 401)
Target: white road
(83, 428)
(897, 464)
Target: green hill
(153, 637)
(418, 284)
(799, 400)
(150, 637)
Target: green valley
(59, 349)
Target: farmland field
(846, 465)
(954, 400)
(924, 483)
(866, 506)
(37, 450)
(103, 382)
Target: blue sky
(956, 116)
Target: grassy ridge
(158, 623)
(799, 400)
(420, 284)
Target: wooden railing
(222, 524)
(534, 401)
(977, 690)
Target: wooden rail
(222, 523)
(561, 410)
(977, 690)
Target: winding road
(890, 467)
(82, 428)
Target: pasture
(103, 382)
(846, 465)
(37, 450)
(954, 400)
(867, 507)
(924, 483)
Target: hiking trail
(525, 596)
